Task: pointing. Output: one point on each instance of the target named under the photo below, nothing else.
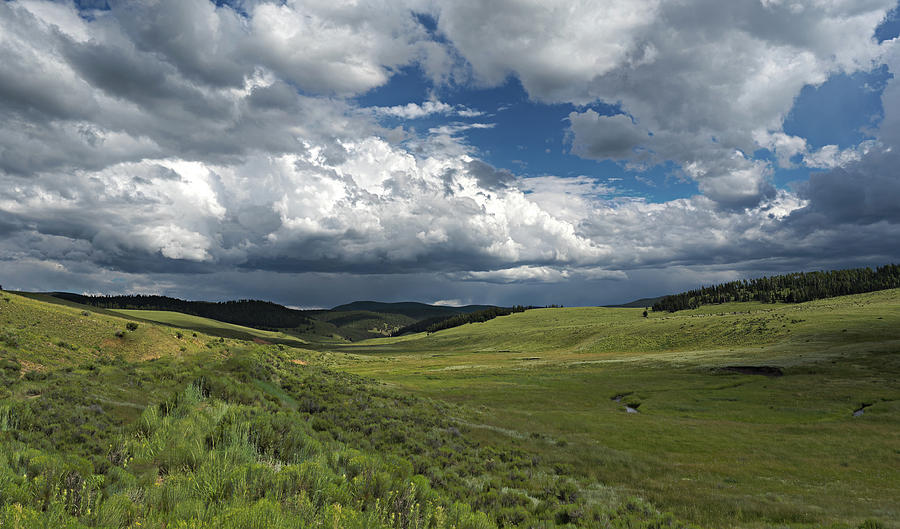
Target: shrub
(9, 338)
(131, 326)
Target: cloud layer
(157, 142)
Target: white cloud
(427, 108)
(455, 128)
(702, 76)
(174, 140)
(830, 156)
(175, 242)
(448, 303)
(334, 47)
(520, 274)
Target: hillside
(520, 421)
(345, 323)
(106, 424)
(787, 288)
(637, 304)
(246, 312)
(746, 413)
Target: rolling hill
(741, 414)
(416, 311)
(350, 322)
(108, 422)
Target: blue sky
(314, 153)
(530, 138)
(527, 137)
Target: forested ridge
(441, 323)
(788, 288)
(247, 312)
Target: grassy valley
(715, 443)
(741, 415)
(108, 422)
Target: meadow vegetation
(102, 426)
(712, 441)
(745, 415)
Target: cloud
(605, 137)
(454, 129)
(427, 108)
(520, 274)
(704, 78)
(488, 176)
(184, 146)
(448, 303)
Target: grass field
(104, 423)
(209, 326)
(522, 417)
(718, 447)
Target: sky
(538, 152)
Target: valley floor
(711, 441)
(739, 415)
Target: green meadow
(210, 326)
(743, 417)
(106, 421)
(715, 445)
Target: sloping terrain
(737, 415)
(109, 422)
(716, 435)
(416, 311)
(238, 319)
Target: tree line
(442, 322)
(788, 288)
(247, 312)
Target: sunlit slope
(209, 326)
(594, 330)
(106, 424)
(55, 334)
(717, 445)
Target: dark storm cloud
(864, 192)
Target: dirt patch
(31, 366)
(261, 341)
(298, 362)
(766, 371)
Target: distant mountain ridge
(637, 304)
(412, 309)
(247, 312)
(351, 321)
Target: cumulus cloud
(704, 78)
(160, 141)
(520, 274)
(606, 137)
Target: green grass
(154, 427)
(210, 326)
(359, 325)
(718, 448)
(513, 418)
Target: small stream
(862, 409)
